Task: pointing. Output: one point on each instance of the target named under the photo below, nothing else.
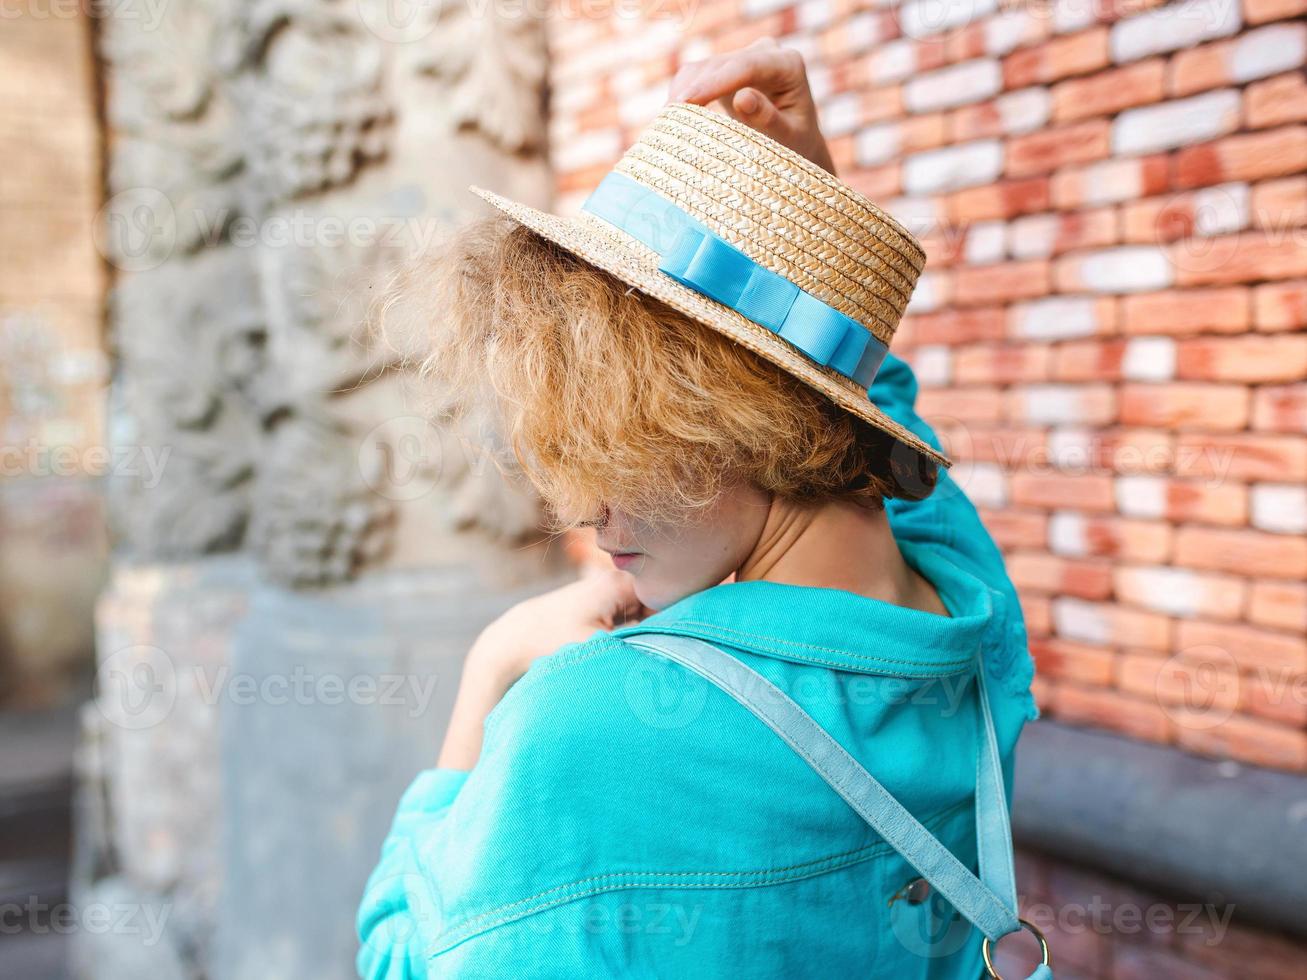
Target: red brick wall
(1109, 334)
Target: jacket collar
(839, 629)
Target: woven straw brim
(604, 246)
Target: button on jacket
(627, 818)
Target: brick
(924, 18)
(1281, 605)
(1007, 444)
(924, 132)
(1149, 496)
(1198, 69)
(1079, 662)
(1253, 55)
(1001, 283)
(1210, 456)
(964, 326)
(1091, 492)
(1002, 364)
(1180, 592)
(965, 44)
(973, 404)
(1135, 450)
(1280, 409)
(1043, 235)
(933, 365)
(1249, 257)
(1203, 213)
(1137, 717)
(1278, 205)
(945, 88)
(1276, 696)
(1212, 689)
(1177, 123)
(1013, 112)
(1221, 310)
(934, 292)
(1261, 11)
(1139, 359)
(1110, 182)
(880, 104)
(1205, 406)
(1014, 27)
(1251, 647)
(985, 484)
(892, 62)
(1038, 613)
(1148, 359)
(1001, 199)
(1108, 92)
(985, 243)
(1276, 101)
(1061, 57)
(1280, 508)
(1252, 740)
(1125, 269)
(841, 113)
(1249, 156)
(1078, 448)
(1047, 150)
(1061, 317)
(1243, 552)
(1037, 572)
(877, 183)
(1173, 27)
(1249, 358)
(952, 167)
(1075, 534)
(1062, 404)
(1016, 528)
(1088, 360)
(1257, 54)
(1280, 306)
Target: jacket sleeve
(398, 906)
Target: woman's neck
(836, 546)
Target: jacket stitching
(510, 912)
(811, 646)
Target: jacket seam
(510, 911)
(728, 631)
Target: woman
(599, 811)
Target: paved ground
(35, 839)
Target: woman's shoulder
(594, 695)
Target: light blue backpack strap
(988, 902)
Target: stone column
(303, 559)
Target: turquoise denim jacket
(627, 818)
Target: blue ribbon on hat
(697, 257)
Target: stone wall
(313, 542)
(1109, 334)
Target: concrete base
(1195, 828)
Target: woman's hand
(530, 630)
(765, 86)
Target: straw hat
(744, 235)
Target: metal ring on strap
(1046, 958)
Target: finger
(684, 79)
(751, 107)
(770, 69)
